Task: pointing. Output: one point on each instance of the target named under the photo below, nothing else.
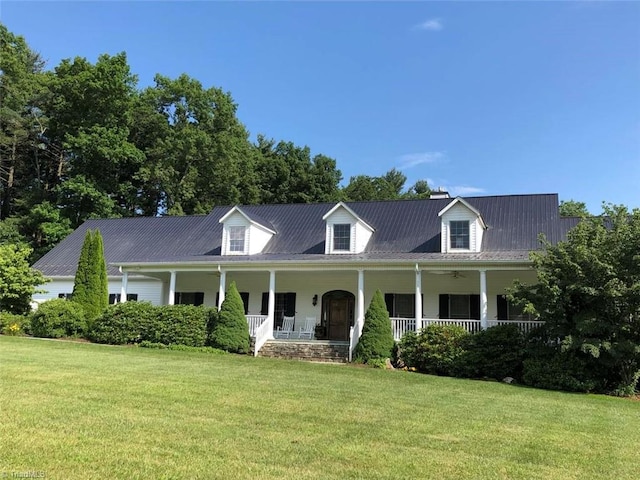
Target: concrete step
(314, 350)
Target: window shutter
(245, 301)
(388, 299)
(443, 311)
(290, 304)
(177, 298)
(198, 298)
(474, 306)
(264, 309)
(218, 300)
(502, 308)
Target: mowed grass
(73, 410)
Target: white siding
(148, 289)
(461, 213)
(360, 235)
(256, 237)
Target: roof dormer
(346, 232)
(243, 234)
(462, 228)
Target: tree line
(82, 140)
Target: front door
(338, 313)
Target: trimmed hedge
(496, 352)
(376, 341)
(177, 325)
(58, 318)
(122, 323)
(435, 350)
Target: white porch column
(360, 304)
(172, 288)
(418, 299)
(271, 312)
(123, 287)
(483, 299)
(223, 286)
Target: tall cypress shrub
(90, 288)
(231, 332)
(376, 341)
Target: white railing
(525, 326)
(263, 333)
(353, 341)
(254, 321)
(470, 326)
(400, 326)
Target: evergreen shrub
(230, 330)
(376, 341)
(122, 323)
(177, 325)
(496, 352)
(435, 350)
(58, 318)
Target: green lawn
(73, 410)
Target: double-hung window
(237, 239)
(459, 234)
(342, 237)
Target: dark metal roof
(404, 230)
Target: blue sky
(483, 98)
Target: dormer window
(237, 239)
(459, 234)
(342, 237)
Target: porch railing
(254, 321)
(470, 326)
(262, 333)
(400, 326)
(525, 325)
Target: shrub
(58, 318)
(496, 352)
(230, 331)
(90, 288)
(122, 323)
(12, 324)
(434, 350)
(177, 325)
(555, 370)
(376, 341)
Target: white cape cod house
(444, 260)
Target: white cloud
(431, 25)
(413, 159)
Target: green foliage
(12, 324)
(177, 324)
(90, 288)
(496, 352)
(376, 341)
(43, 226)
(122, 323)
(572, 208)
(58, 318)
(435, 350)
(18, 281)
(556, 370)
(231, 332)
(588, 293)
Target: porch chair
(287, 328)
(308, 328)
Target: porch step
(314, 350)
